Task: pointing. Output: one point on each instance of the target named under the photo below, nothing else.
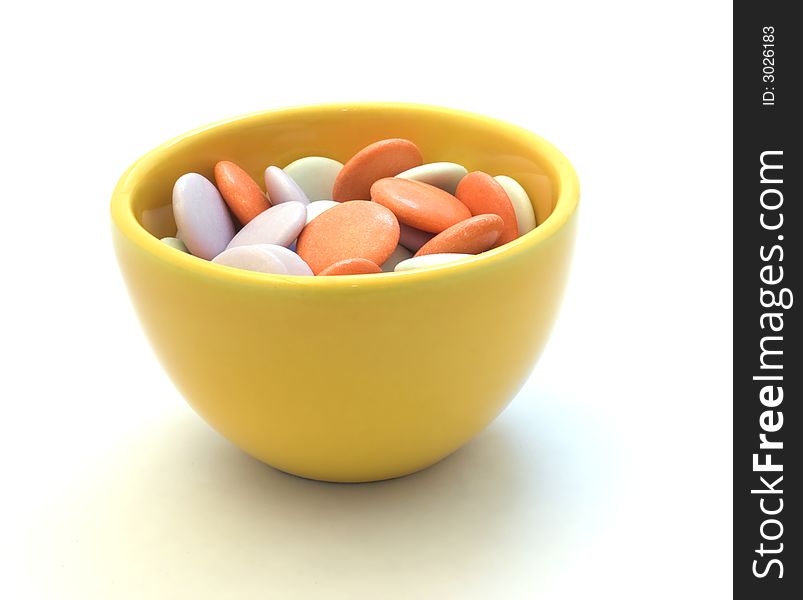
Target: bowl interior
(338, 131)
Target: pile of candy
(384, 210)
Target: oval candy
(278, 225)
(201, 216)
(241, 193)
(443, 175)
(471, 236)
(315, 175)
(525, 215)
(294, 264)
(482, 194)
(352, 266)
(356, 229)
(252, 258)
(419, 205)
(264, 258)
(430, 260)
(384, 158)
(281, 188)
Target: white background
(608, 476)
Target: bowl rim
(123, 217)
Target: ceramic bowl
(351, 378)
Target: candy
(294, 264)
(483, 195)
(443, 175)
(316, 208)
(399, 254)
(525, 216)
(419, 205)
(412, 238)
(264, 258)
(355, 229)
(315, 175)
(281, 188)
(278, 225)
(175, 243)
(241, 193)
(385, 158)
(430, 260)
(418, 216)
(351, 266)
(201, 216)
(471, 236)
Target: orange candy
(471, 236)
(483, 195)
(418, 204)
(356, 229)
(380, 159)
(242, 194)
(352, 266)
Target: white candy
(316, 208)
(428, 260)
(443, 175)
(281, 188)
(525, 217)
(252, 258)
(264, 258)
(399, 254)
(315, 175)
(176, 243)
(279, 225)
(201, 216)
(294, 264)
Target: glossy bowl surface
(350, 378)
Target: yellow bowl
(352, 378)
